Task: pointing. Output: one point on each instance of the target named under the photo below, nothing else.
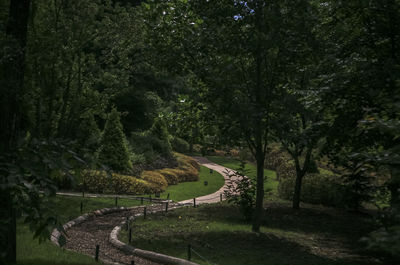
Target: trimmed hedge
(101, 182)
(155, 179)
(170, 176)
(185, 161)
(148, 182)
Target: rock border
(55, 235)
(113, 237)
(149, 255)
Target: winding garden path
(96, 230)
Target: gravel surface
(96, 230)
(84, 237)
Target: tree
(299, 122)
(88, 132)
(299, 128)
(113, 150)
(12, 89)
(360, 78)
(240, 51)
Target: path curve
(96, 230)
(213, 197)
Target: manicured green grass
(312, 235)
(188, 190)
(270, 183)
(30, 252)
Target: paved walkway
(213, 197)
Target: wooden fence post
(189, 252)
(96, 256)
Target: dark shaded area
(313, 235)
(49, 262)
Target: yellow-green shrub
(155, 179)
(184, 161)
(185, 174)
(101, 182)
(130, 185)
(169, 176)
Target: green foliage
(33, 167)
(242, 192)
(141, 107)
(100, 182)
(149, 181)
(276, 158)
(170, 176)
(187, 170)
(153, 142)
(155, 179)
(325, 189)
(179, 145)
(113, 151)
(317, 189)
(160, 133)
(89, 134)
(387, 238)
(137, 159)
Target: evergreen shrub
(114, 151)
(179, 145)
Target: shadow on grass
(316, 220)
(238, 247)
(52, 262)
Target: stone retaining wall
(153, 256)
(113, 238)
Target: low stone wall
(55, 235)
(113, 238)
(153, 256)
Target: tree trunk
(258, 212)
(8, 244)
(394, 187)
(297, 190)
(11, 92)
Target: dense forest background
(117, 85)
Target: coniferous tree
(113, 150)
(88, 132)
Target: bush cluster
(276, 158)
(170, 175)
(150, 146)
(316, 189)
(188, 170)
(179, 145)
(148, 182)
(156, 181)
(101, 182)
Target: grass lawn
(313, 235)
(270, 183)
(30, 252)
(188, 190)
